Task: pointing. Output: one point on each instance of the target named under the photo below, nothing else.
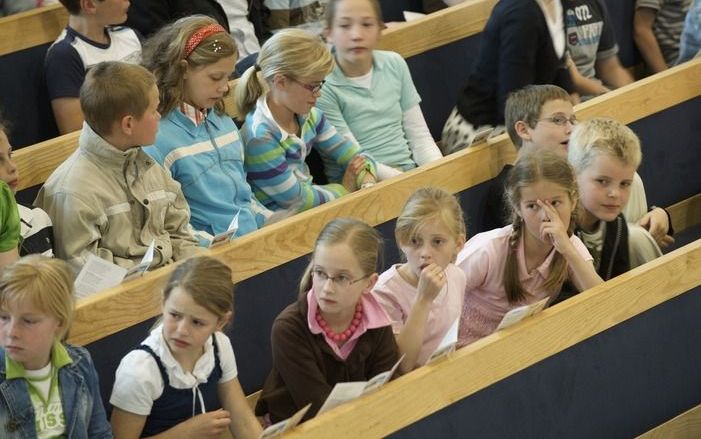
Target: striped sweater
(275, 159)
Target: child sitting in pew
(370, 96)
(523, 43)
(542, 117)
(530, 259)
(109, 198)
(197, 142)
(282, 126)
(47, 388)
(424, 296)
(36, 233)
(90, 38)
(182, 381)
(605, 155)
(336, 331)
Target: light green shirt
(44, 392)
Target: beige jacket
(113, 204)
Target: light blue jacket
(207, 161)
(80, 398)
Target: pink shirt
(397, 296)
(482, 260)
(373, 317)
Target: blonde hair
(113, 90)
(606, 136)
(529, 169)
(526, 104)
(424, 205)
(294, 53)
(46, 283)
(208, 281)
(163, 54)
(364, 241)
(331, 12)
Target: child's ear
(522, 129)
(88, 6)
(226, 318)
(372, 280)
(127, 124)
(184, 66)
(279, 80)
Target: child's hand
(657, 223)
(553, 230)
(431, 282)
(209, 425)
(352, 170)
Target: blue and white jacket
(207, 160)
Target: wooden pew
(381, 203)
(444, 392)
(35, 163)
(268, 263)
(31, 28)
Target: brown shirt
(305, 368)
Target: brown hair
(529, 169)
(45, 282)
(526, 104)
(113, 90)
(294, 53)
(602, 135)
(425, 204)
(331, 12)
(164, 56)
(72, 6)
(364, 241)
(208, 281)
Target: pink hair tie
(200, 35)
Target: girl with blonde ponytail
(531, 258)
(282, 125)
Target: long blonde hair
(294, 53)
(426, 204)
(164, 55)
(364, 241)
(529, 169)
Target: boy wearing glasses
(542, 116)
(536, 116)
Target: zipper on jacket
(615, 247)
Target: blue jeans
(690, 43)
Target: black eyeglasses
(314, 88)
(342, 280)
(560, 120)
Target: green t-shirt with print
(44, 392)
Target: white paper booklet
(411, 16)
(98, 274)
(447, 345)
(344, 392)
(517, 314)
(281, 427)
(228, 234)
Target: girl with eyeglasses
(336, 331)
(197, 142)
(282, 126)
(370, 96)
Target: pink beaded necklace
(345, 335)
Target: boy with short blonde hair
(110, 198)
(605, 155)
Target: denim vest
(80, 398)
(178, 405)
